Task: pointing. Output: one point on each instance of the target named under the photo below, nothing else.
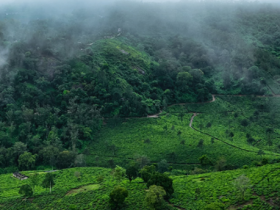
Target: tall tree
(48, 181)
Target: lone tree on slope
(48, 182)
(242, 183)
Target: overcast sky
(92, 2)
(37, 1)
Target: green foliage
(58, 94)
(119, 173)
(26, 161)
(117, 197)
(146, 172)
(214, 187)
(26, 190)
(155, 197)
(162, 180)
(242, 184)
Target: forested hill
(64, 72)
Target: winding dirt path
(191, 122)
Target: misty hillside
(191, 86)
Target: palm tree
(48, 181)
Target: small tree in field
(242, 183)
(155, 197)
(117, 197)
(77, 174)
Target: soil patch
(83, 189)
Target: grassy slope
(214, 187)
(223, 123)
(147, 136)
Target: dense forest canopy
(65, 69)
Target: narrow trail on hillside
(191, 122)
(181, 104)
(214, 99)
